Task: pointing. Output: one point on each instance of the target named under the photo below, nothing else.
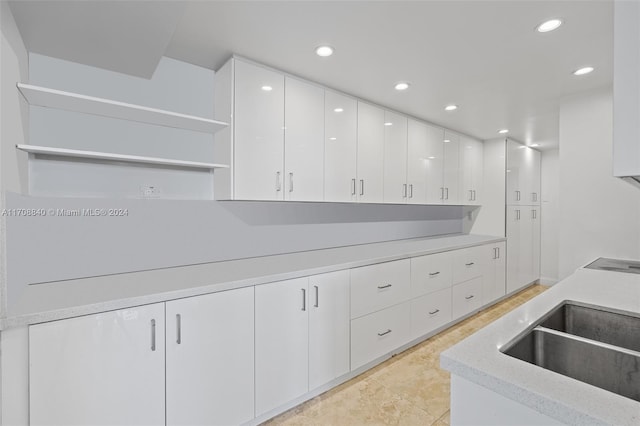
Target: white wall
(549, 189)
(599, 214)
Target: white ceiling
(481, 55)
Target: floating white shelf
(62, 152)
(42, 96)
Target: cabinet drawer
(430, 312)
(378, 286)
(467, 264)
(379, 333)
(466, 297)
(431, 273)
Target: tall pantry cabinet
(523, 216)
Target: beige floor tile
(408, 389)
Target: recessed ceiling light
(431, 158)
(333, 139)
(324, 51)
(447, 140)
(388, 123)
(402, 85)
(267, 88)
(583, 71)
(533, 145)
(503, 131)
(549, 25)
(451, 107)
(338, 110)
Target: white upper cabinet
(471, 171)
(417, 162)
(370, 164)
(534, 188)
(433, 137)
(523, 175)
(258, 146)
(451, 168)
(303, 141)
(396, 188)
(340, 147)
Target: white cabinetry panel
(259, 133)
(467, 297)
(434, 160)
(303, 141)
(417, 161)
(471, 171)
(209, 349)
(104, 369)
(378, 286)
(396, 189)
(493, 280)
(370, 153)
(341, 141)
(431, 273)
(430, 312)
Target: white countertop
(69, 298)
(479, 360)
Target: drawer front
(431, 273)
(379, 286)
(379, 333)
(467, 263)
(467, 297)
(430, 312)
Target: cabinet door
(430, 312)
(328, 327)
(417, 162)
(378, 286)
(451, 168)
(435, 162)
(258, 133)
(516, 172)
(282, 343)
(493, 280)
(471, 171)
(534, 176)
(370, 153)
(526, 245)
(303, 141)
(431, 273)
(535, 243)
(513, 248)
(466, 297)
(340, 133)
(210, 359)
(396, 189)
(105, 369)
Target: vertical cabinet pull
(290, 182)
(411, 191)
(498, 251)
(517, 214)
(517, 195)
(353, 186)
(178, 328)
(317, 298)
(278, 184)
(153, 335)
(495, 252)
(304, 299)
(474, 195)
(446, 191)
(404, 190)
(361, 186)
(471, 195)
(441, 193)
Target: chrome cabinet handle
(474, 195)
(384, 286)
(434, 312)
(442, 193)
(404, 190)
(498, 249)
(384, 332)
(446, 192)
(304, 299)
(517, 214)
(317, 299)
(517, 195)
(432, 274)
(290, 182)
(411, 191)
(471, 195)
(495, 252)
(470, 264)
(153, 335)
(361, 186)
(353, 186)
(469, 297)
(178, 329)
(278, 184)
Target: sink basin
(587, 343)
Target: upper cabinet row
(293, 140)
(523, 175)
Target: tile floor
(408, 389)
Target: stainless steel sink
(587, 343)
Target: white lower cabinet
(494, 275)
(467, 263)
(466, 297)
(430, 312)
(378, 286)
(104, 369)
(431, 273)
(209, 350)
(301, 336)
(378, 333)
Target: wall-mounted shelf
(45, 97)
(107, 156)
